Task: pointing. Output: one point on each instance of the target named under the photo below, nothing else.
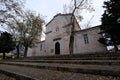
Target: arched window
(57, 29)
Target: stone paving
(44, 74)
(5, 77)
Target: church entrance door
(57, 48)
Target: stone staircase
(64, 67)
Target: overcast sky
(49, 8)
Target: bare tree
(10, 9)
(30, 30)
(76, 7)
(13, 29)
(88, 24)
(27, 30)
(79, 6)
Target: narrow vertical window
(86, 41)
(40, 47)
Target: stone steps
(80, 58)
(93, 62)
(43, 67)
(113, 70)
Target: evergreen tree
(111, 22)
(6, 43)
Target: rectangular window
(86, 41)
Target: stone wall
(93, 44)
(58, 31)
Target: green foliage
(31, 29)
(27, 31)
(103, 41)
(1, 56)
(110, 17)
(110, 20)
(6, 43)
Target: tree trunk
(3, 55)
(116, 48)
(71, 44)
(114, 44)
(25, 52)
(18, 51)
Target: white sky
(50, 8)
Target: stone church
(57, 39)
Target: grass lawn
(8, 56)
(0, 56)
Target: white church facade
(57, 39)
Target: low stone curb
(84, 56)
(73, 58)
